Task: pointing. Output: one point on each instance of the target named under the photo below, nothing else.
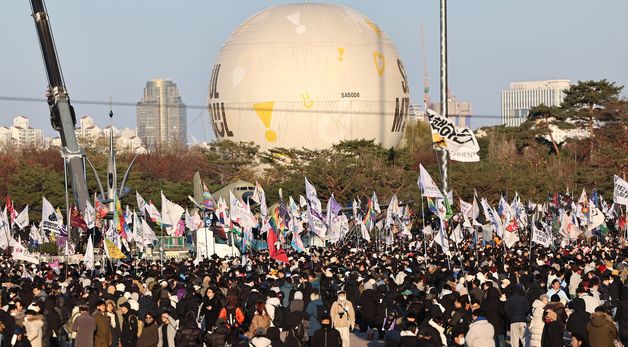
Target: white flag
(620, 191)
(148, 234)
(88, 258)
(22, 219)
(540, 236)
(50, 221)
(466, 209)
(427, 185)
(458, 236)
(141, 203)
(365, 233)
(239, 212)
(170, 214)
(315, 210)
(392, 211)
(260, 198)
(459, 141)
(90, 215)
(442, 239)
(492, 216)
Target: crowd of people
(478, 296)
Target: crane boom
(62, 114)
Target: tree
(546, 113)
(590, 96)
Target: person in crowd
(343, 317)
(261, 320)
(130, 325)
(167, 330)
(579, 319)
(601, 329)
(326, 335)
(34, 324)
(189, 335)
(149, 336)
(516, 309)
(481, 331)
(103, 336)
(84, 326)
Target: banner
(50, 221)
(541, 237)
(22, 219)
(88, 259)
(620, 192)
(317, 225)
(460, 142)
(426, 184)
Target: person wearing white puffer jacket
(537, 324)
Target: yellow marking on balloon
(374, 27)
(341, 51)
(380, 62)
(307, 101)
(264, 111)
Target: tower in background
(161, 115)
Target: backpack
(280, 316)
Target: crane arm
(62, 114)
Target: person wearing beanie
(296, 305)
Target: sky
(111, 48)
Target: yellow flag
(114, 251)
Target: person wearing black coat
(129, 325)
(516, 309)
(369, 300)
(326, 335)
(189, 335)
(211, 307)
(218, 337)
(495, 314)
(554, 328)
(9, 326)
(578, 320)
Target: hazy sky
(111, 48)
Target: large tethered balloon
(308, 75)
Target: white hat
(127, 295)
(135, 296)
(275, 289)
(87, 282)
(120, 287)
(174, 299)
(134, 305)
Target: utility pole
(443, 86)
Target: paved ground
(359, 340)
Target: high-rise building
(459, 112)
(21, 135)
(517, 101)
(161, 115)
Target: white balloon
(308, 75)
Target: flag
(392, 211)
(492, 216)
(297, 243)
(5, 230)
(170, 215)
(90, 215)
(459, 141)
(76, 220)
(208, 201)
(427, 185)
(22, 219)
(113, 252)
(317, 225)
(333, 208)
(118, 216)
(260, 198)
(51, 222)
(376, 204)
(88, 258)
(620, 191)
(153, 213)
(240, 213)
(540, 236)
(12, 214)
(365, 233)
(274, 247)
(441, 239)
(369, 216)
(466, 209)
(141, 203)
(148, 235)
(458, 236)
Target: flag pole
(443, 85)
(422, 231)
